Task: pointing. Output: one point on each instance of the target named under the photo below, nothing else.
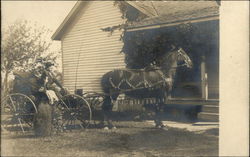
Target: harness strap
(130, 84)
(112, 83)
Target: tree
(22, 43)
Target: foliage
(22, 43)
(129, 13)
(39, 65)
(143, 48)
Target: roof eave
(173, 23)
(59, 32)
(166, 20)
(145, 12)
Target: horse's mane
(166, 55)
(166, 60)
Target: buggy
(30, 107)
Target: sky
(45, 13)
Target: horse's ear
(172, 47)
(180, 49)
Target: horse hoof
(158, 127)
(163, 127)
(106, 128)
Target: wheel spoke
(12, 102)
(67, 122)
(19, 120)
(18, 110)
(76, 109)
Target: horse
(157, 81)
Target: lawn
(130, 139)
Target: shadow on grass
(155, 141)
(214, 131)
(21, 136)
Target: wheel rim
(95, 100)
(18, 112)
(76, 111)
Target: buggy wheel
(76, 111)
(95, 101)
(17, 113)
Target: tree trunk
(5, 84)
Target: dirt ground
(130, 139)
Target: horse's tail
(108, 87)
(105, 83)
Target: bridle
(179, 54)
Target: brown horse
(152, 81)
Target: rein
(142, 84)
(164, 79)
(164, 73)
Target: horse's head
(170, 61)
(183, 58)
(177, 57)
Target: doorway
(202, 81)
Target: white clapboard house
(88, 52)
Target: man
(50, 78)
(53, 93)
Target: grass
(130, 139)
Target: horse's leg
(106, 107)
(107, 111)
(158, 119)
(113, 99)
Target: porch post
(204, 85)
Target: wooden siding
(89, 51)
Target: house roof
(69, 18)
(159, 8)
(159, 13)
(180, 17)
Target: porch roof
(178, 14)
